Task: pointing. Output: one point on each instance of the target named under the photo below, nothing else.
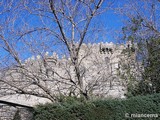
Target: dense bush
(100, 109)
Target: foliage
(151, 78)
(152, 69)
(99, 109)
(149, 81)
(142, 30)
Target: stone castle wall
(99, 61)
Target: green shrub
(73, 109)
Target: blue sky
(112, 22)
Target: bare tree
(35, 27)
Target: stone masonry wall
(15, 113)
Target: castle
(99, 65)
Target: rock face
(49, 75)
(8, 112)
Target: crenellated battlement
(100, 50)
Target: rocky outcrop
(12, 111)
